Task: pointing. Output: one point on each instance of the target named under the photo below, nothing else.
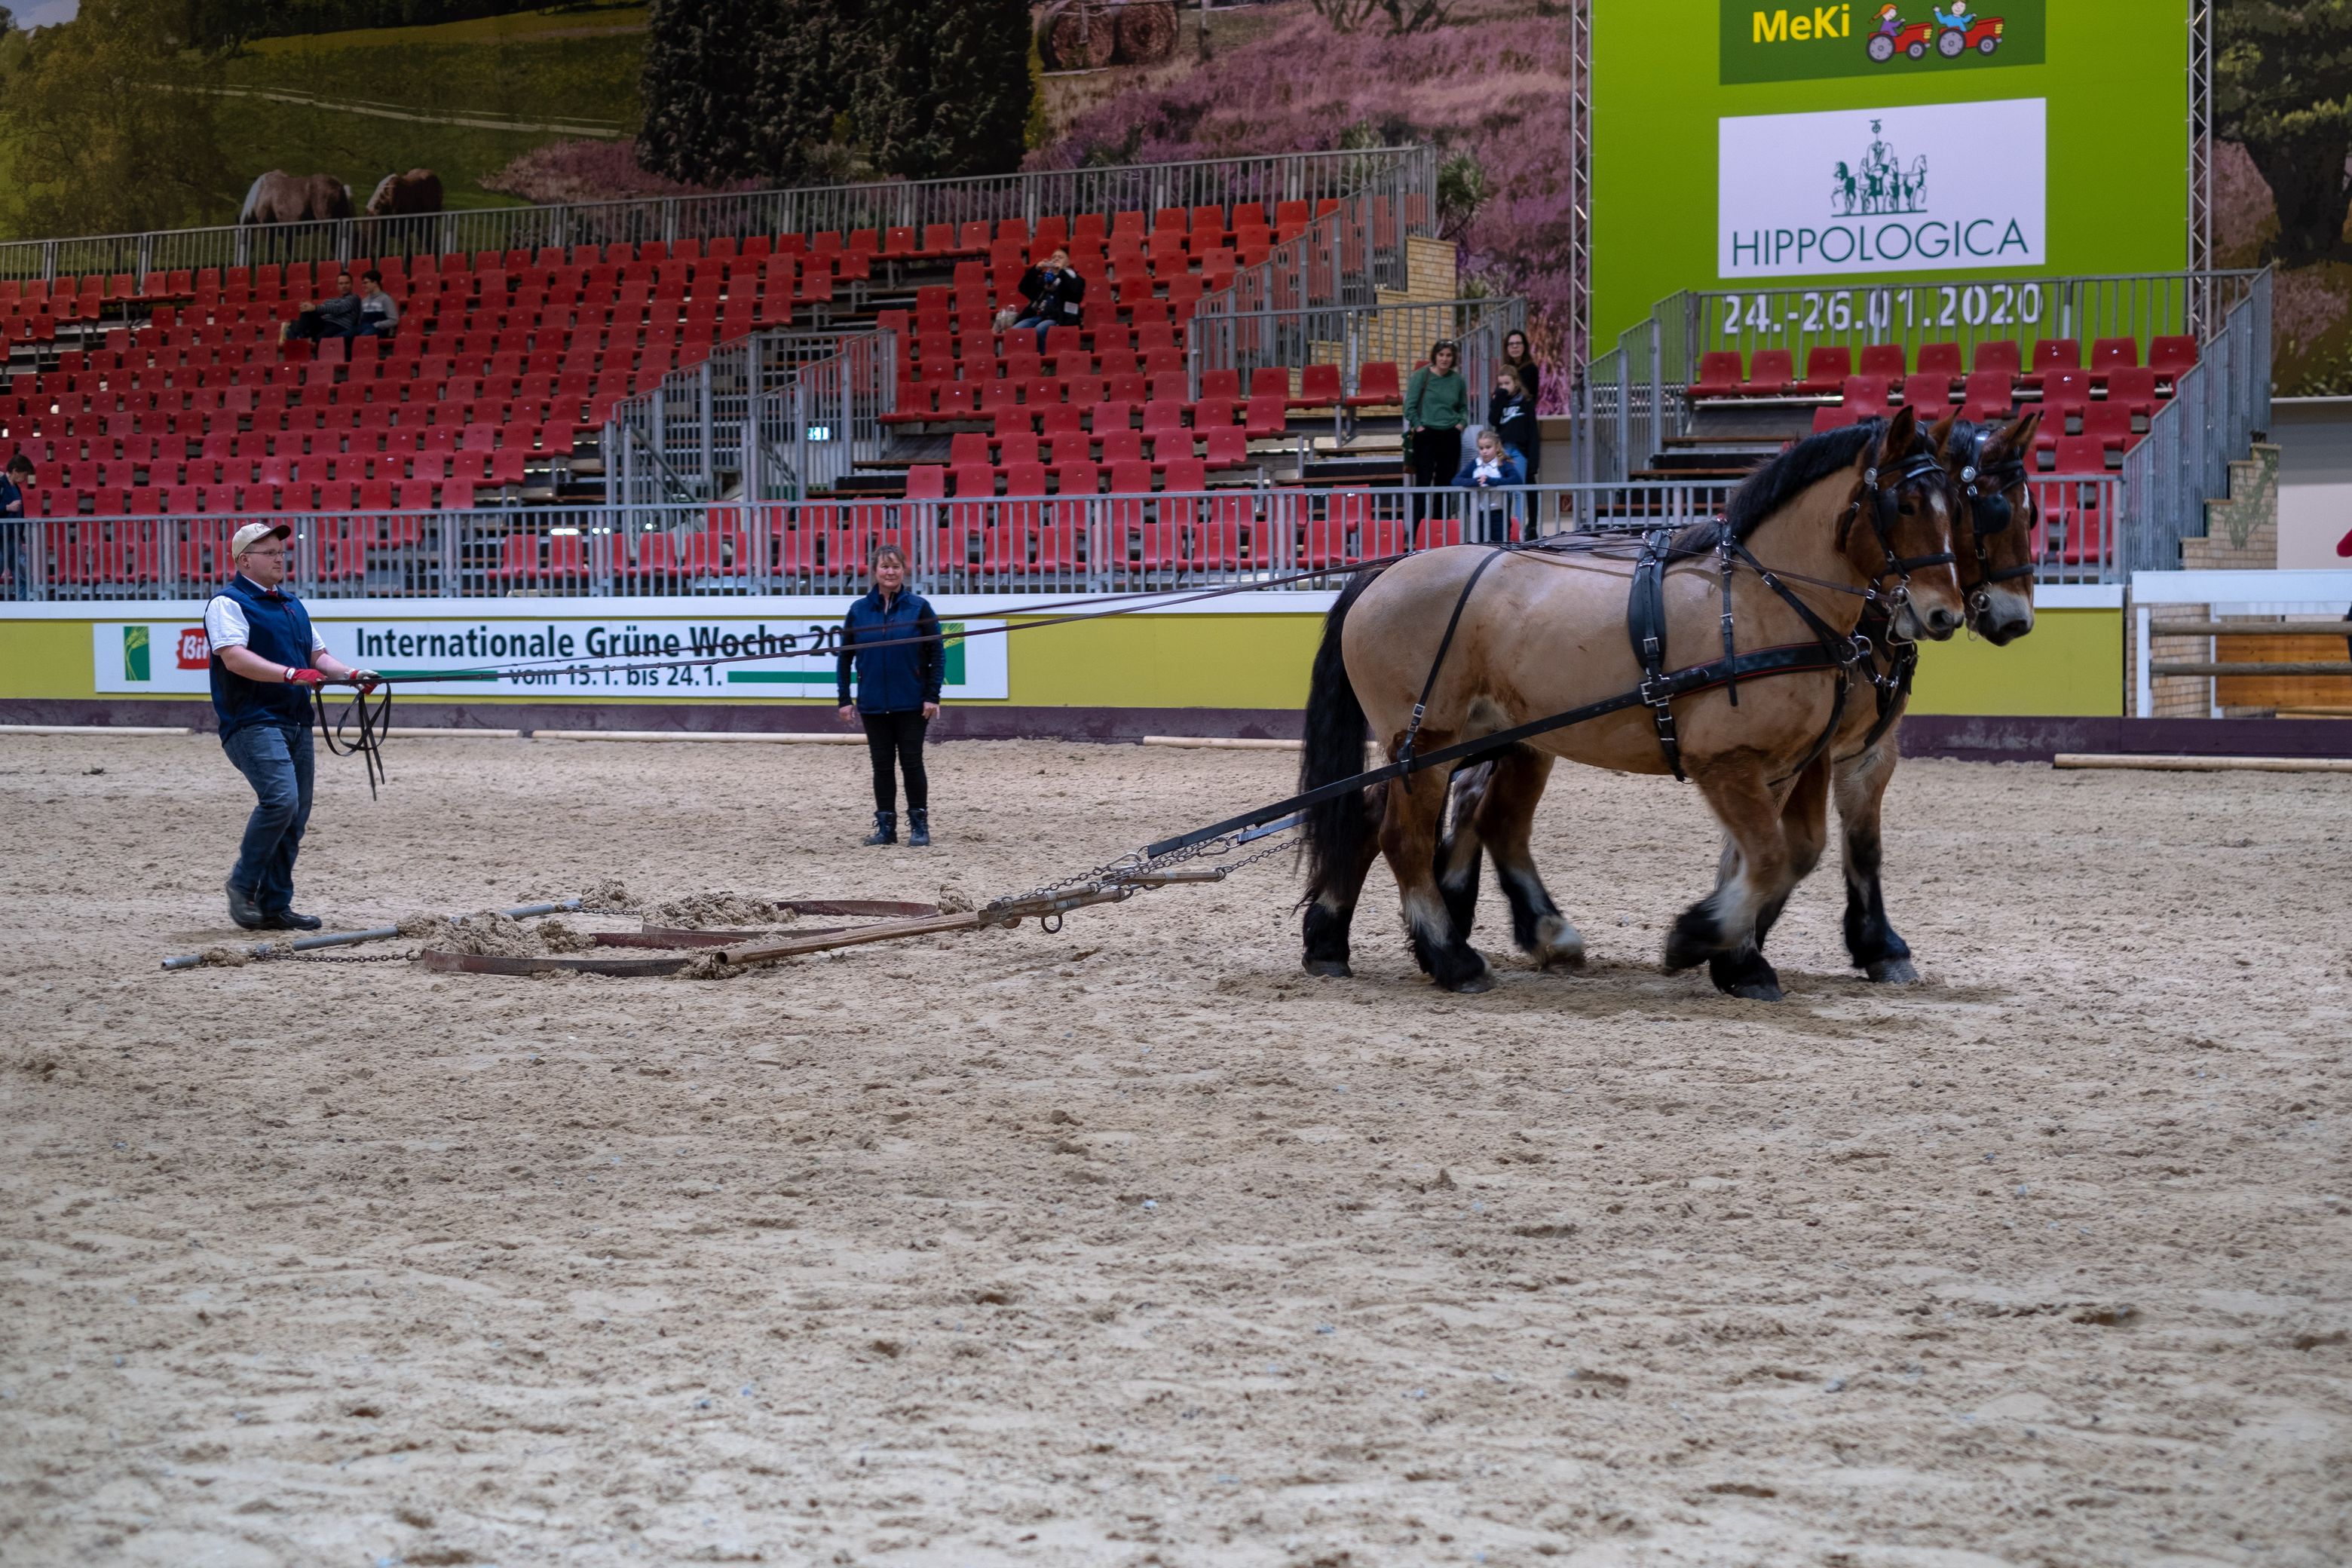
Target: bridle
(1984, 489)
(1879, 496)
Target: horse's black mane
(1778, 482)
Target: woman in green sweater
(1436, 407)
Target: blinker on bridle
(1885, 507)
(1984, 488)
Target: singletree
(2283, 85)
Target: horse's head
(380, 202)
(1990, 474)
(1897, 530)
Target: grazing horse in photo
(405, 196)
(1989, 467)
(1460, 643)
(281, 197)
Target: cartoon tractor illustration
(1951, 35)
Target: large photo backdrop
(1735, 142)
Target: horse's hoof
(1481, 982)
(1893, 972)
(1559, 945)
(1756, 992)
(1335, 967)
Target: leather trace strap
(1421, 707)
(1795, 658)
(1646, 626)
(1731, 640)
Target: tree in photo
(812, 54)
(947, 89)
(2283, 85)
(701, 61)
(107, 122)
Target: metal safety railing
(1401, 173)
(1349, 254)
(1350, 337)
(770, 417)
(1051, 543)
(1637, 398)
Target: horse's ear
(1941, 434)
(2019, 438)
(1901, 432)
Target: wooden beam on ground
(2285, 667)
(1221, 743)
(767, 950)
(2248, 628)
(96, 730)
(739, 737)
(2172, 764)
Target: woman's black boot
(918, 827)
(885, 828)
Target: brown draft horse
(279, 198)
(1989, 470)
(403, 195)
(1838, 516)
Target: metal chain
(1122, 874)
(351, 957)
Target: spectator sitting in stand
(335, 318)
(1053, 292)
(378, 311)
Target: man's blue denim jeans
(277, 762)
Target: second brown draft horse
(1455, 644)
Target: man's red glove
(310, 678)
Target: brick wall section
(2241, 535)
(1429, 268)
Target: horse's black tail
(1336, 733)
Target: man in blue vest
(265, 662)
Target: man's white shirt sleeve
(226, 626)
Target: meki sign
(1941, 187)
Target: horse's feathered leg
(1414, 804)
(1875, 949)
(1743, 799)
(1804, 823)
(1506, 822)
(1457, 849)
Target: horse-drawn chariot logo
(1878, 182)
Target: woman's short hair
(1443, 346)
(893, 551)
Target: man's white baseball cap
(253, 534)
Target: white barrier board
(761, 658)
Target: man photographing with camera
(265, 662)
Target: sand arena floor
(1134, 1245)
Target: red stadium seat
(2169, 356)
(1941, 359)
(2134, 386)
(1827, 366)
(2112, 353)
(1376, 386)
(1999, 354)
(1769, 373)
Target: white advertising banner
(1933, 186)
(761, 658)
